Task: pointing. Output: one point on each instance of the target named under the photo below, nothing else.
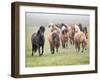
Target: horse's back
(80, 36)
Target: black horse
(38, 41)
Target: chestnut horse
(64, 37)
(54, 41)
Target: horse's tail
(56, 39)
(33, 40)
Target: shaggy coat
(54, 41)
(71, 33)
(80, 38)
(38, 41)
(64, 38)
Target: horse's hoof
(39, 54)
(52, 52)
(32, 54)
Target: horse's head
(50, 25)
(41, 31)
(64, 31)
(54, 27)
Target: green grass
(67, 56)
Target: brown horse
(54, 41)
(64, 38)
(80, 38)
(71, 33)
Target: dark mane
(41, 30)
(80, 27)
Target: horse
(71, 33)
(64, 37)
(54, 41)
(38, 40)
(80, 38)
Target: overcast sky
(38, 19)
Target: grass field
(67, 56)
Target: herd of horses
(60, 34)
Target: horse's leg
(53, 50)
(42, 49)
(70, 41)
(57, 49)
(73, 41)
(63, 44)
(32, 49)
(67, 43)
(78, 46)
(39, 50)
(83, 47)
